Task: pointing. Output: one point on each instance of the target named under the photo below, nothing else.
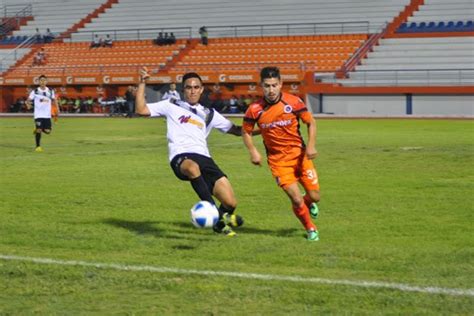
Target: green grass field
(397, 210)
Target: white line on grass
(256, 276)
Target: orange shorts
(296, 171)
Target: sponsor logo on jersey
(275, 124)
(183, 119)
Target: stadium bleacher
(57, 15)
(245, 36)
(134, 14)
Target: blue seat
(412, 27)
(450, 26)
(469, 26)
(431, 27)
(421, 27)
(459, 27)
(403, 28)
(441, 27)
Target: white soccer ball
(204, 214)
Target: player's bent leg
(225, 194)
(311, 198)
(294, 193)
(192, 171)
(301, 211)
(46, 131)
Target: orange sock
(302, 212)
(307, 200)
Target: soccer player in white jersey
(188, 125)
(43, 99)
(171, 93)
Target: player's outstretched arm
(237, 131)
(140, 102)
(311, 151)
(29, 104)
(255, 156)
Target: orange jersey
(54, 111)
(280, 128)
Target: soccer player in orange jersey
(289, 158)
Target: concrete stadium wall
(443, 105)
(392, 105)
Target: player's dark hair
(42, 76)
(190, 75)
(269, 72)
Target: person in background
(130, 99)
(108, 41)
(172, 39)
(160, 40)
(97, 41)
(42, 98)
(49, 36)
(204, 35)
(171, 93)
(39, 58)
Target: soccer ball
(204, 214)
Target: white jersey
(171, 94)
(187, 130)
(42, 102)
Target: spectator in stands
(49, 36)
(130, 99)
(38, 36)
(97, 42)
(160, 40)
(166, 39)
(77, 105)
(203, 33)
(172, 39)
(63, 104)
(39, 58)
(17, 106)
(233, 105)
(88, 104)
(217, 103)
(108, 41)
(171, 93)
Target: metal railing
(12, 16)
(289, 29)
(130, 34)
(14, 55)
(231, 31)
(154, 68)
(15, 10)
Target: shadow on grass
(185, 230)
(152, 229)
(288, 232)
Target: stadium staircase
(57, 15)
(423, 57)
(87, 19)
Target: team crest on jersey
(287, 109)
